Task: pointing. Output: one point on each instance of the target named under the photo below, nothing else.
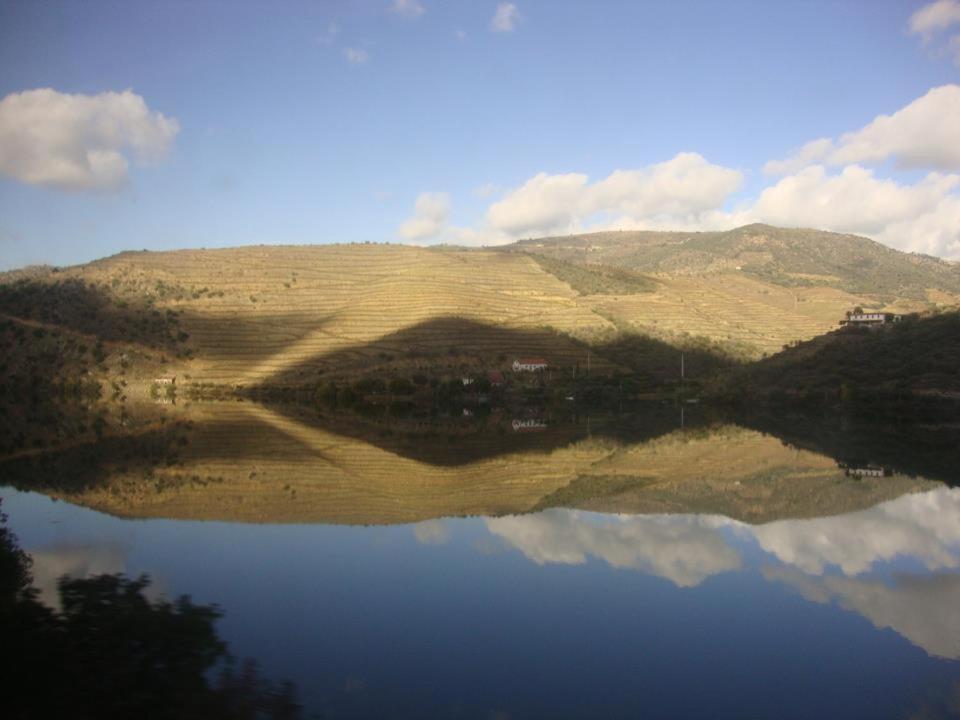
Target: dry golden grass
(732, 307)
(283, 306)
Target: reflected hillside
(462, 434)
(927, 447)
(247, 462)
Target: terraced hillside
(728, 471)
(254, 315)
(243, 462)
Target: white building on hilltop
(874, 318)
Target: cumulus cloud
(407, 8)
(919, 217)
(679, 191)
(79, 142)
(429, 217)
(356, 56)
(924, 134)
(685, 549)
(828, 184)
(936, 16)
(543, 204)
(505, 18)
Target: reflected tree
(114, 653)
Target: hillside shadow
(448, 346)
(72, 305)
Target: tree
(114, 653)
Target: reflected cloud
(687, 549)
(923, 609)
(683, 549)
(432, 532)
(77, 561)
(924, 526)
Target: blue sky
(327, 121)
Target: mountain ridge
(786, 256)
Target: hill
(903, 362)
(256, 315)
(783, 256)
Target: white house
(529, 365)
(874, 318)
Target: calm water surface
(565, 612)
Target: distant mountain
(783, 256)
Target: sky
(135, 125)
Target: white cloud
(811, 153)
(429, 217)
(924, 134)
(356, 56)
(934, 17)
(79, 142)
(679, 191)
(407, 8)
(543, 204)
(685, 549)
(919, 217)
(505, 18)
(689, 193)
(824, 185)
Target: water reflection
(411, 567)
(682, 549)
(925, 609)
(922, 528)
(76, 561)
(431, 532)
(250, 463)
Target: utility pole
(682, 368)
